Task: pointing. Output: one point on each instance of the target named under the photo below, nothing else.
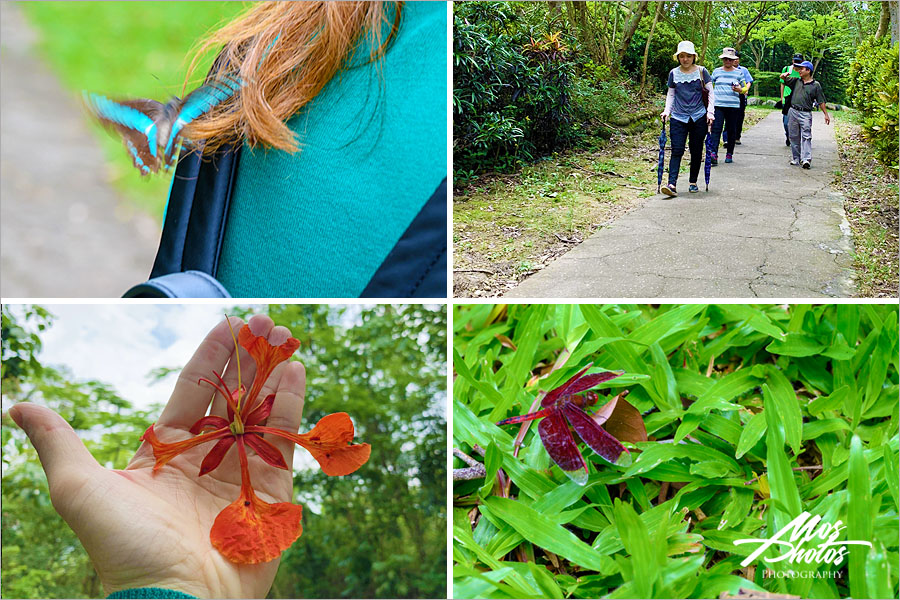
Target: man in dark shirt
(803, 91)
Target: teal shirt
(319, 223)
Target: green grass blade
(859, 524)
(891, 475)
(636, 539)
(788, 407)
(782, 486)
(542, 531)
(752, 433)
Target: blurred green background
(378, 533)
(127, 49)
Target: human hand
(710, 119)
(664, 116)
(827, 120)
(145, 529)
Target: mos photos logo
(808, 539)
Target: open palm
(151, 529)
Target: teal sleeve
(149, 592)
(319, 223)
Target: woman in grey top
(688, 118)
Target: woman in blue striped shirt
(729, 83)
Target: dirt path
(63, 231)
(765, 229)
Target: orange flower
(249, 530)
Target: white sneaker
(794, 163)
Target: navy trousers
(694, 133)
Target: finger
(287, 411)
(259, 325)
(66, 461)
(190, 398)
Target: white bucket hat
(686, 47)
(729, 53)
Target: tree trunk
(763, 9)
(554, 10)
(885, 22)
(629, 31)
(706, 19)
(585, 31)
(612, 41)
(659, 9)
(888, 21)
(895, 33)
(599, 27)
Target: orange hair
(285, 53)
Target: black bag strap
(417, 265)
(194, 226)
(197, 213)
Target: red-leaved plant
(249, 530)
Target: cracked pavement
(765, 229)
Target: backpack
(188, 256)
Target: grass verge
(871, 206)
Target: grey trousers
(800, 132)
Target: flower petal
(211, 421)
(215, 456)
(250, 531)
(261, 412)
(164, 452)
(266, 450)
(327, 442)
(267, 357)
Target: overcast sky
(120, 344)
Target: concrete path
(765, 229)
(63, 231)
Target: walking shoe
(787, 141)
(693, 188)
(738, 142)
(715, 158)
(805, 164)
(794, 163)
(669, 190)
(728, 158)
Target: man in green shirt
(804, 91)
(791, 70)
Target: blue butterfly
(151, 130)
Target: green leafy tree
(42, 557)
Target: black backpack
(188, 257)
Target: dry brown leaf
(626, 423)
(505, 341)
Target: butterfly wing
(197, 103)
(135, 122)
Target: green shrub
(511, 91)
(766, 83)
(873, 91)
